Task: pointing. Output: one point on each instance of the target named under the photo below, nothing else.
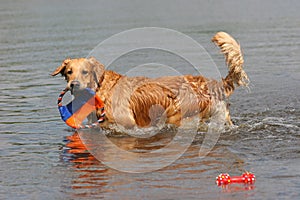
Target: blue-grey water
(41, 158)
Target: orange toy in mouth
(76, 111)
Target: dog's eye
(69, 72)
(84, 72)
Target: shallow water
(41, 158)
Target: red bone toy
(224, 179)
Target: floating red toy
(224, 179)
(85, 102)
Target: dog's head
(81, 73)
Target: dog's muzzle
(75, 85)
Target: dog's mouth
(75, 90)
(75, 87)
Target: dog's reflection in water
(88, 175)
(76, 152)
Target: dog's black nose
(75, 84)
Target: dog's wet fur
(140, 101)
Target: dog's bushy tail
(234, 60)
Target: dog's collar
(98, 81)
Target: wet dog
(143, 102)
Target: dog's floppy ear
(61, 68)
(98, 69)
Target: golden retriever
(143, 102)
